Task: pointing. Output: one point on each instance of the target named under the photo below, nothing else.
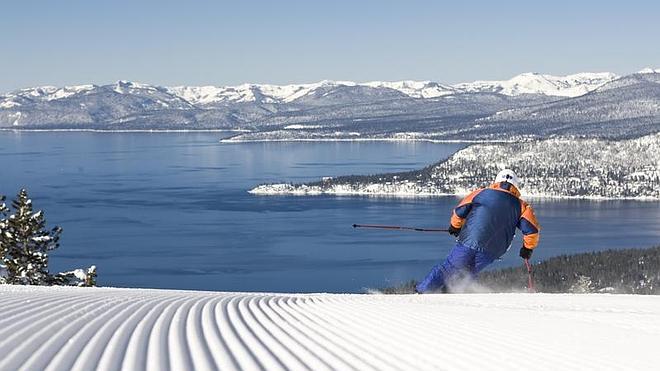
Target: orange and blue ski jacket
(488, 218)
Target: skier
(484, 223)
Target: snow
(41, 238)
(64, 328)
(45, 93)
(17, 116)
(80, 274)
(264, 93)
(416, 89)
(534, 83)
(125, 87)
(649, 70)
(68, 91)
(302, 127)
(9, 104)
(526, 83)
(39, 91)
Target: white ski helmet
(507, 175)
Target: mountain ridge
(526, 106)
(525, 83)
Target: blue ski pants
(461, 261)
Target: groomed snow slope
(134, 329)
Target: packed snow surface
(47, 328)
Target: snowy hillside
(48, 328)
(623, 107)
(582, 168)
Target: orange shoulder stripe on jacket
(456, 221)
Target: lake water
(171, 210)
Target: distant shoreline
(230, 140)
(131, 130)
(438, 195)
(439, 141)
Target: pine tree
(25, 244)
(3, 207)
(3, 223)
(90, 277)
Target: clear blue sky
(231, 42)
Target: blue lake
(171, 210)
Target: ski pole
(398, 227)
(530, 277)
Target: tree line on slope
(24, 246)
(627, 271)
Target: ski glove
(525, 253)
(453, 231)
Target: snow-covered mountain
(279, 94)
(416, 89)
(649, 70)
(260, 93)
(526, 83)
(623, 107)
(534, 83)
(41, 94)
(344, 109)
(92, 106)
